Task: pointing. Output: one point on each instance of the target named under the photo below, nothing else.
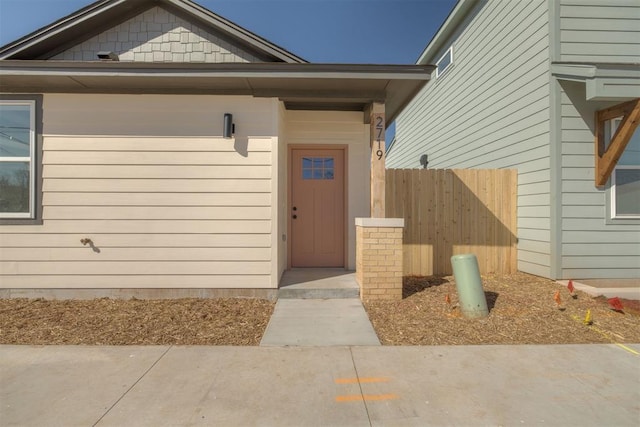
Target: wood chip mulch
(522, 310)
(134, 322)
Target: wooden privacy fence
(449, 212)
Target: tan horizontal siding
(158, 185)
(157, 213)
(102, 254)
(130, 116)
(157, 171)
(165, 200)
(154, 143)
(157, 199)
(145, 226)
(91, 268)
(154, 158)
(135, 240)
(136, 281)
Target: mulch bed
(134, 322)
(522, 310)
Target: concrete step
(328, 293)
(318, 283)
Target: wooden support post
(378, 149)
(606, 160)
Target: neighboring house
(121, 167)
(518, 85)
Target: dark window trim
(37, 209)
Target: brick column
(379, 257)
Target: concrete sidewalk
(562, 385)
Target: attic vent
(107, 56)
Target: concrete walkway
(319, 307)
(319, 322)
(563, 385)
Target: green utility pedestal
(473, 302)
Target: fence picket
(449, 212)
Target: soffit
(299, 86)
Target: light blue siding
(491, 110)
(592, 246)
(600, 31)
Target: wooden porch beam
(377, 144)
(606, 160)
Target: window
(625, 179)
(317, 168)
(20, 119)
(445, 62)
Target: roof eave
(305, 86)
(456, 16)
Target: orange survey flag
(557, 298)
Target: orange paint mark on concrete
(366, 397)
(361, 380)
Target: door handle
(295, 209)
(294, 216)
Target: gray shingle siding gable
(158, 36)
(491, 110)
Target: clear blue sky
(338, 31)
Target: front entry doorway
(317, 207)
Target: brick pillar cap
(380, 222)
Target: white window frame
(610, 130)
(31, 159)
(614, 214)
(447, 53)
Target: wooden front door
(317, 208)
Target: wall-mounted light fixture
(107, 56)
(424, 160)
(229, 128)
